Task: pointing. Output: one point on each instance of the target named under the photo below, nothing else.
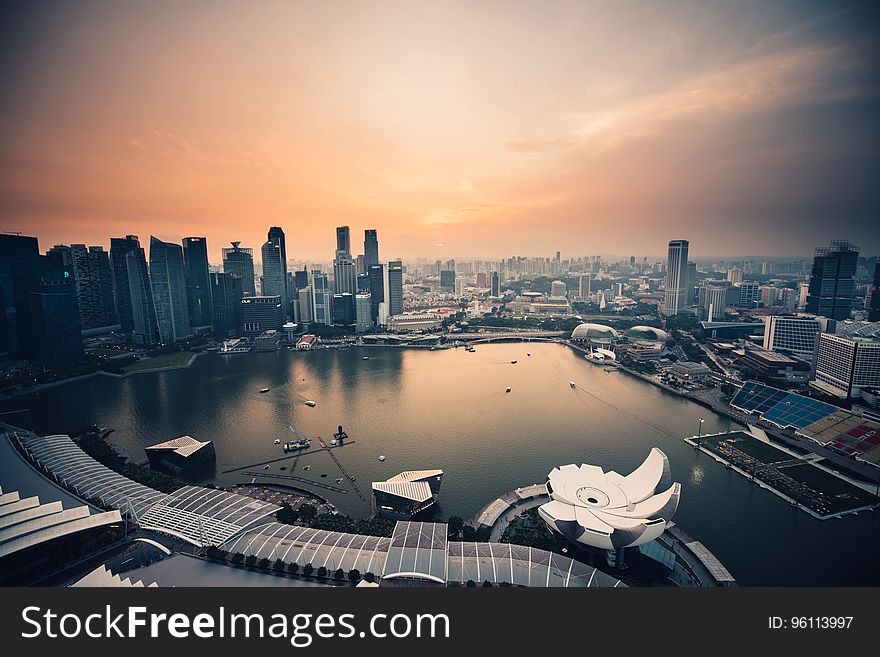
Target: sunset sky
(490, 128)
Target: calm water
(449, 410)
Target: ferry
(309, 402)
(381, 457)
(572, 384)
(264, 389)
(294, 445)
(508, 389)
(234, 346)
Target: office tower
(803, 291)
(343, 241)
(144, 327)
(344, 275)
(845, 365)
(395, 287)
(301, 278)
(675, 298)
(712, 298)
(459, 290)
(321, 297)
(769, 295)
(274, 281)
(482, 280)
(363, 282)
(767, 268)
(276, 236)
(12, 248)
(749, 294)
(874, 306)
(584, 286)
(226, 295)
(306, 310)
(198, 285)
(832, 282)
(691, 282)
(377, 289)
(735, 275)
(240, 261)
(94, 283)
(557, 290)
(120, 247)
(343, 309)
(260, 314)
(795, 336)
(371, 248)
(496, 284)
(363, 319)
(168, 280)
(788, 298)
(360, 264)
(447, 280)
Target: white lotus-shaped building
(607, 510)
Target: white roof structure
(418, 491)
(607, 510)
(201, 516)
(101, 577)
(594, 332)
(25, 523)
(185, 445)
(415, 475)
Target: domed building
(595, 333)
(646, 334)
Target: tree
(307, 513)
(236, 558)
(264, 563)
(293, 567)
(251, 560)
(471, 584)
(454, 525)
(287, 514)
(354, 575)
(487, 583)
(338, 574)
(322, 572)
(370, 577)
(308, 569)
(279, 566)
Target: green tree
(279, 566)
(339, 574)
(454, 526)
(322, 572)
(293, 567)
(307, 513)
(264, 564)
(250, 561)
(308, 569)
(354, 575)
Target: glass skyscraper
(198, 284)
(169, 291)
(832, 282)
(675, 297)
(240, 261)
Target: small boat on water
(333, 442)
(264, 389)
(572, 384)
(339, 481)
(295, 445)
(508, 389)
(365, 358)
(513, 362)
(381, 457)
(306, 467)
(309, 402)
(265, 467)
(277, 441)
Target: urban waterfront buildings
(795, 335)
(240, 261)
(260, 314)
(371, 248)
(874, 305)
(94, 284)
(675, 296)
(363, 312)
(321, 303)
(274, 279)
(119, 249)
(845, 365)
(169, 291)
(395, 287)
(226, 295)
(832, 281)
(496, 285)
(198, 285)
(406, 494)
(145, 327)
(377, 289)
(276, 236)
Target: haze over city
(454, 129)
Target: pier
(303, 452)
(342, 469)
(302, 480)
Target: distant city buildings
(240, 261)
(371, 248)
(260, 314)
(198, 284)
(395, 287)
(226, 296)
(795, 335)
(845, 365)
(675, 295)
(832, 281)
(169, 291)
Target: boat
(528, 354)
(365, 358)
(295, 445)
(306, 467)
(339, 481)
(264, 389)
(381, 457)
(309, 402)
(277, 441)
(265, 467)
(323, 474)
(513, 362)
(508, 389)
(572, 384)
(333, 442)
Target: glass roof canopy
(782, 408)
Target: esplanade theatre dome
(650, 333)
(594, 333)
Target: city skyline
(727, 126)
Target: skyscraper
(343, 309)
(675, 297)
(240, 261)
(447, 280)
(94, 284)
(168, 280)
(343, 241)
(274, 281)
(260, 314)
(120, 247)
(144, 327)
(198, 284)
(344, 275)
(226, 295)
(496, 284)
(584, 281)
(832, 282)
(377, 290)
(12, 248)
(306, 309)
(371, 248)
(874, 307)
(362, 312)
(320, 297)
(395, 287)
(690, 283)
(276, 235)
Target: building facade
(261, 314)
(198, 284)
(169, 291)
(240, 261)
(226, 295)
(845, 365)
(395, 287)
(796, 335)
(321, 304)
(832, 281)
(675, 294)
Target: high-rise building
(675, 295)
(395, 287)
(145, 328)
(749, 294)
(343, 309)
(260, 314)
(344, 275)
(240, 261)
(274, 281)
(584, 286)
(343, 241)
(845, 365)
(377, 289)
(832, 282)
(226, 295)
(713, 299)
(12, 248)
(371, 248)
(874, 305)
(306, 308)
(735, 275)
(363, 282)
(301, 278)
(496, 285)
(120, 247)
(769, 295)
(198, 284)
(803, 291)
(168, 280)
(362, 312)
(447, 280)
(321, 297)
(276, 235)
(691, 283)
(795, 336)
(94, 283)
(557, 290)
(482, 280)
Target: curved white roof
(651, 333)
(593, 332)
(607, 510)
